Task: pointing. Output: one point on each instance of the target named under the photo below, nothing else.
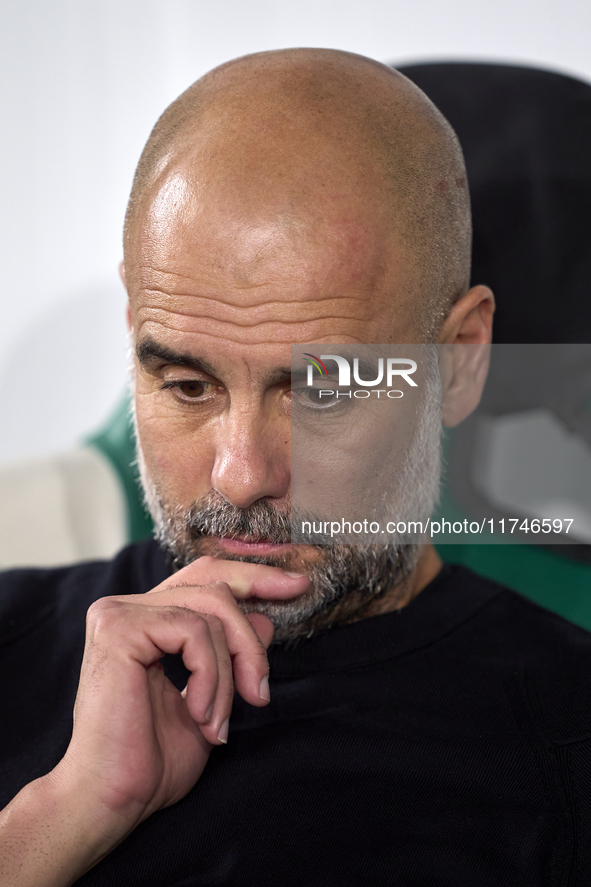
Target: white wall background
(82, 83)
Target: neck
(355, 606)
(428, 566)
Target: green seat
(553, 581)
(116, 442)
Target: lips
(244, 545)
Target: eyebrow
(150, 352)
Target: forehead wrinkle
(274, 312)
(309, 271)
(279, 334)
(217, 300)
(252, 296)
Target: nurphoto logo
(393, 369)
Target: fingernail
(294, 575)
(264, 691)
(223, 734)
(209, 712)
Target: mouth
(246, 545)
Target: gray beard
(346, 579)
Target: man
(415, 729)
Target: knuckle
(103, 612)
(200, 625)
(174, 586)
(214, 622)
(261, 657)
(222, 590)
(184, 615)
(258, 647)
(225, 664)
(171, 614)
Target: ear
(470, 320)
(467, 331)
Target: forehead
(226, 263)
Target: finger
(248, 653)
(125, 639)
(263, 627)
(202, 659)
(143, 633)
(220, 706)
(245, 580)
(201, 641)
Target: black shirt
(448, 743)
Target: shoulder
(523, 627)
(29, 597)
(538, 651)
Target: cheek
(346, 471)
(178, 455)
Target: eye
(190, 389)
(318, 398)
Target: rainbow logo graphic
(313, 360)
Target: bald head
(298, 134)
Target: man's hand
(139, 744)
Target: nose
(252, 457)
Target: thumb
(263, 627)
